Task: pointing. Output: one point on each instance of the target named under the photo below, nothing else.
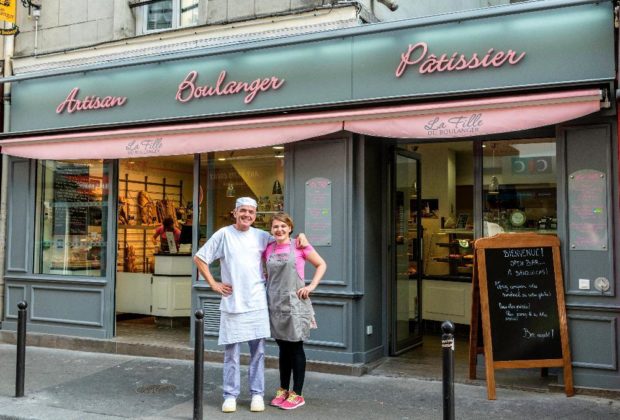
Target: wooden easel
(481, 315)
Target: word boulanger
(189, 90)
(417, 54)
(72, 104)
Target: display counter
(444, 299)
(172, 284)
(165, 293)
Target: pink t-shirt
(177, 233)
(300, 254)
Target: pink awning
(468, 118)
(447, 119)
(167, 140)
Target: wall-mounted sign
(418, 55)
(7, 10)
(89, 103)
(587, 210)
(455, 125)
(391, 60)
(189, 89)
(318, 214)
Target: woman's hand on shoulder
(301, 241)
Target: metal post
(447, 350)
(199, 332)
(21, 348)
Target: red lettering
(67, 102)
(71, 104)
(230, 88)
(512, 60)
(461, 64)
(219, 82)
(405, 58)
(188, 89)
(499, 59)
(276, 83)
(431, 63)
(474, 63)
(451, 66)
(187, 84)
(253, 88)
(485, 59)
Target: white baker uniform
(244, 314)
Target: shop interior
(154, 273)
(519, 193)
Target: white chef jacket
(240, 254)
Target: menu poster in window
(521, 300)
(587, 210)
(71, 196)
(318, 214)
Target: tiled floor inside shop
(421, 362)
(145, 330)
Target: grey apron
(289, 316)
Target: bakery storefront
(393, 146)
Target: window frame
(176, 17)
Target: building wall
(592, 315)
(65, 25)
(412, 9)
(370, 193)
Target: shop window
(170, 14)
(226, 176)
(72, 209)
(154, 194)
(520, 186)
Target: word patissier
(417, 54)
(189, 90)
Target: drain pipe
(9, 47)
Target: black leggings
(292, 359)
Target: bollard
(447, 350)
(199, 355)
(21, 348)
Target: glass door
(407, 253)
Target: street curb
(95, 345)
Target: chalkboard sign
(521, 305)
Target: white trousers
(232, 365)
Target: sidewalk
(72, 385)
